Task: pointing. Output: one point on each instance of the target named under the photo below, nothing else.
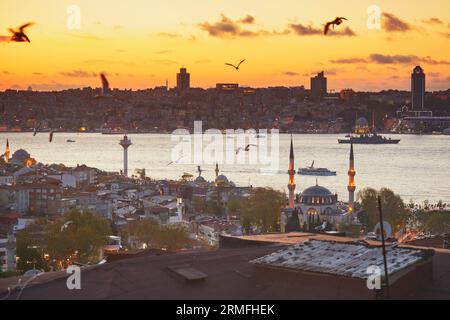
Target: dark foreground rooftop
(214, 275)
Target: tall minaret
(125, 143)
(291, 185)
(7, 152)
(351, 181)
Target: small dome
(200, 179)
(362, 122)
(222, 179)
(21, 155)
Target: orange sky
(141, 43)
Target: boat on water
(368, 139)
(70, 140)
(312, 171)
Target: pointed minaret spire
(291, 185)
(351, 181)
(217, 170)
(7, 152)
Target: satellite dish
(387, 230)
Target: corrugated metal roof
(344, 259)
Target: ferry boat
(369, 139)
(311, 171)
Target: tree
(155, 236)
(262, 210)
(81, 241)
(394, 209)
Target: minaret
(7, 151)
(351, 181)
(217, 170)
(291, 185)
(125, 143)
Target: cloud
(162, 52)
(291, 73)
(303, 30)
(392, 23)
(37, 74)
(404, 59)
(433, 21)
(378, 58)
(169, 35)
(227, 28)
(79, 74)
(118, 27)
(247, 20)
(349, 61)
(6, 72)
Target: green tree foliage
(262, 210)
(155, 236)
(436, 222)
(394, 209)
(85, 236)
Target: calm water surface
(418, 168)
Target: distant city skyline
(142, 44)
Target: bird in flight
(176, 161)
(236, 67)
(66, 225)
(36, 129)
(336, 22)
(246, 149)
(19, 34)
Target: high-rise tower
(291, 185)
(418, 88)
(125, 143)
(183, 80)
(351, 181)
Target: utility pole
(383, 244)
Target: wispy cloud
(291, 73)
(169, 35)
(392, 23)
(387, 59)
(79, 74)
(310, 30)
(227, 28)
(433, 20)
(162, 52)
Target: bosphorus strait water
(418, 168)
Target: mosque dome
(222, 180)
(200, 179)
(317, 195)
(362, 123)
(20, 155)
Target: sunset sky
(142, 43)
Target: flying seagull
(247, 148)
(236, 67)
(335, 22)
(19, 34)
(66, 225)
(36, 129)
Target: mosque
(316, 208)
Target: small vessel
(311, 171)
(69, 140)
(369, 139)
